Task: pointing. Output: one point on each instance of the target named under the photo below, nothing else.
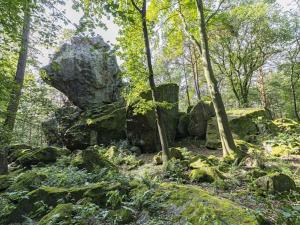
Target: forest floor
(111, 185)
(277, 209)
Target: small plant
(175, 170)
(115, 199)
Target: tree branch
(136, 7)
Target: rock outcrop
(141, 128)
(199, 115)
(243, 124)
(86, 71)
(77, 129)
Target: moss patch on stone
(192, 205)
(61, 214)
(27, 181)
(38, 156)
(90, 159)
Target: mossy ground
(113, 186)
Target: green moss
(280, 150)
(40, 155)
(50, 196)
(206, 173)
(112, 152)
(243, 123)
(192, 205)
(90, 160)
(287, 125)
(61, 214)
(27, 181)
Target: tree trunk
(3, 162)
(294, 100)
(186, 86)
(263, 94)
(16, 92)
(226, 137)
(20, 73)
(158, 112)
(194, 70)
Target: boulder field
(86, 71)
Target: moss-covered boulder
(5, 182)
(62, 214)
(17, 150)
(50, 196)
(204, 171)
(27, 181)
(97, 125)
(77, 129)
(275, 183)
(142, 129)
(244, 124)
(192, 205)
(40, 155)
(91, 160)
(198, 117)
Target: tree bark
(294, 99)
(186, 86)
(16, 92)
(158, 112)
(263, 93)
(226, 137)
(194, 70)
(13, 104)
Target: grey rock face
(86, 71)
(199, 115)
(142, 129)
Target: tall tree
(247, 36)
(159, 121)
(226, 137)
(17, 87)
(20, 73)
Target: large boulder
(243, 123)
(77, 129)
(142, 129)
(37, 156)
(199, 115)
(187, 204)
(86, 71)
(275, 183)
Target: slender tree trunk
(159, 121)
(263, 94)
(158, 112)
(294, 100)
(294, 97)
(194, 69)
(15, 96)
(20, 73)
(186, 86)
(226, 137)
